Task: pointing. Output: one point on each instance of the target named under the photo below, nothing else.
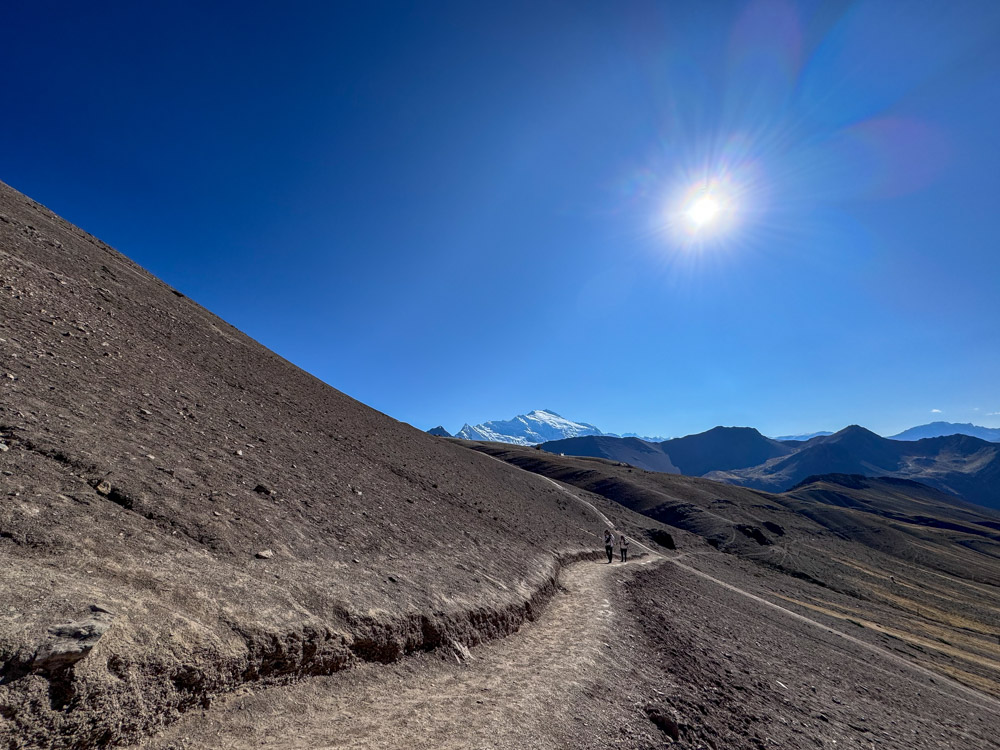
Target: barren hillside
(184, 512)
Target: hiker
(623, 546)
(609, 545)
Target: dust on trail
(516, 692)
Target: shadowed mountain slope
(631, 451)
(185, 512)
(722, 447)
(694, 455)
(901, 500)
(956, 464)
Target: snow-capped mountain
(803, 438)
(646, 438)
(539, 426)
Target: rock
(265, 554)
(4, 447)
(662, 538)
(663, 719)
(71, 642)
(239, 453)
(462, 653)
(774, 528)
(104, 487)
(752, 532)
(263, 490)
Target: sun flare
(709, 207)
(704, 210)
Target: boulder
(69, 642)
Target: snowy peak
(538, 426)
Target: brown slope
(187, 511)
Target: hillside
(185, 512)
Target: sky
(457, 212)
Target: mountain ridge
(957, 464)
(943, 429)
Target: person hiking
(609, 545)
(623, 546)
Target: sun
(704, 210)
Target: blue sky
(462, 211)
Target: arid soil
(736, 673)
(649, 654)
(543, 687)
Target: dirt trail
(546, 686)
(517, 692)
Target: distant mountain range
(544, 425)
(940, 429)
(956, 464)
(960, 459)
